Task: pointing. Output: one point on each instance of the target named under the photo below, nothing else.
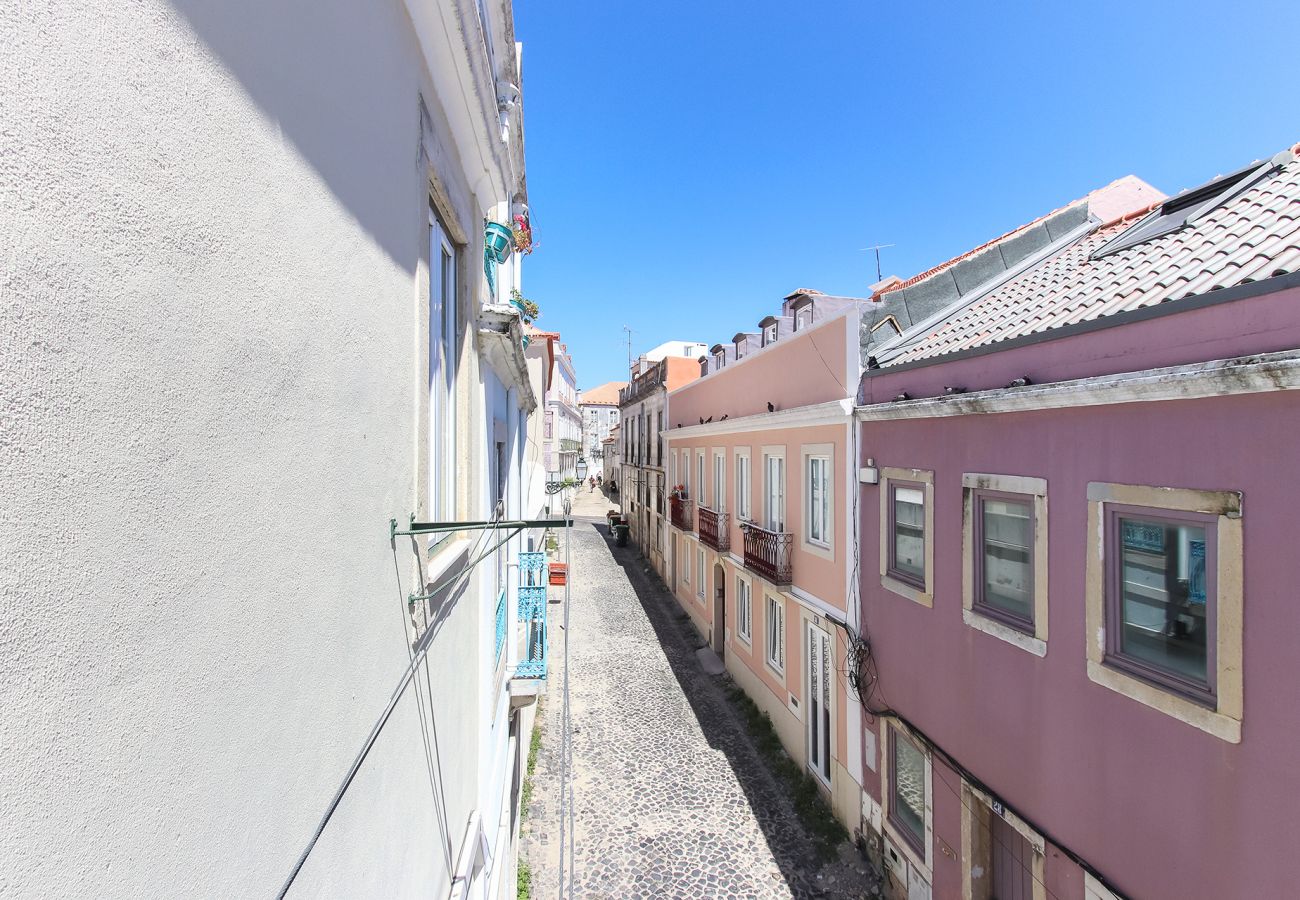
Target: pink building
(761, 454)
(1078, 490)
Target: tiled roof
(1116, 198)
(605, 394)
(1252, 236)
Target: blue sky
(690, 163)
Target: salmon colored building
(759, 553)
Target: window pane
(1008, 554)
(909, 532)
(1163, 599)
(908, 771)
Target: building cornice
(834, 412)
(1240, 375)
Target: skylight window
(1185, 209)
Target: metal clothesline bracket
(489, 525)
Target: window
(769, 334)
(817, 491)
(686, 565)
(1186, 208)
(1004, 543)
(686, 473)
(774, 492)
(775, 633)
(1160, 598)
(907, 790)
(742, 484)
(906, 526)
(443, 344)
(719, 481)
(907, 532)
(699, 472)
(1004, 558)
(699, 582)
(1164, 601)
(743, 610)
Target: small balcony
(768, 553)
(530, 670)
(715, 529)
(682, 513)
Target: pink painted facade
(808, 377)
(1162, 808)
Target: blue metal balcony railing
(532, 615)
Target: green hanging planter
(498, 241)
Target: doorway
(719, 609)
(818, 706)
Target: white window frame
(444, 321)
(700, 474)
(686, 562)
(774, 519)
(744, 482)
(774, 641)
(719, 480)
(823, 454)
(701, 567)
(744, 610)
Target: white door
(818, 720)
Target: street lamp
(580, 469)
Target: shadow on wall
(327, 75)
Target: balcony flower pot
(498, 240)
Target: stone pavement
(670, 797)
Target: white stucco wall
(211, 330)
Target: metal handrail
(769, 553)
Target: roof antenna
(877, 248)
(629, 349)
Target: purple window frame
(988, 610)
(892, 569)
(914, 841)
(1204, 693)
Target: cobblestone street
(671, 799)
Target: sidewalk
(670, 797)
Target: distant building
(562, 430)
(599, 409)
(687, 349)
(644, 416)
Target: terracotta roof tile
(1254, 235)
(605, 394)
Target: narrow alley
(671, 798)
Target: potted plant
(678, 492)
(498, 240)
(528, 310)
(522, 233)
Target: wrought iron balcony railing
(532, 615)
(714, 529)
(681, 513)
(769, 553)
